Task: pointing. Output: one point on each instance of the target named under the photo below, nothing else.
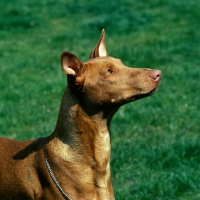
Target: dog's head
(104, 80)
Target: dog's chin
(142, 95)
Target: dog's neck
(82, 139)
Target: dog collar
(54, 179)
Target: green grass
(155, 141)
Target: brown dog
(74, 161)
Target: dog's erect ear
(70, 64)
(100, 48)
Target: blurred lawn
(155, 141)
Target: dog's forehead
(105, 59)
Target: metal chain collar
(54, 179)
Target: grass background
(155, 141)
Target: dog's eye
(109, 71)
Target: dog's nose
(155, 75)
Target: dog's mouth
(143, 95)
